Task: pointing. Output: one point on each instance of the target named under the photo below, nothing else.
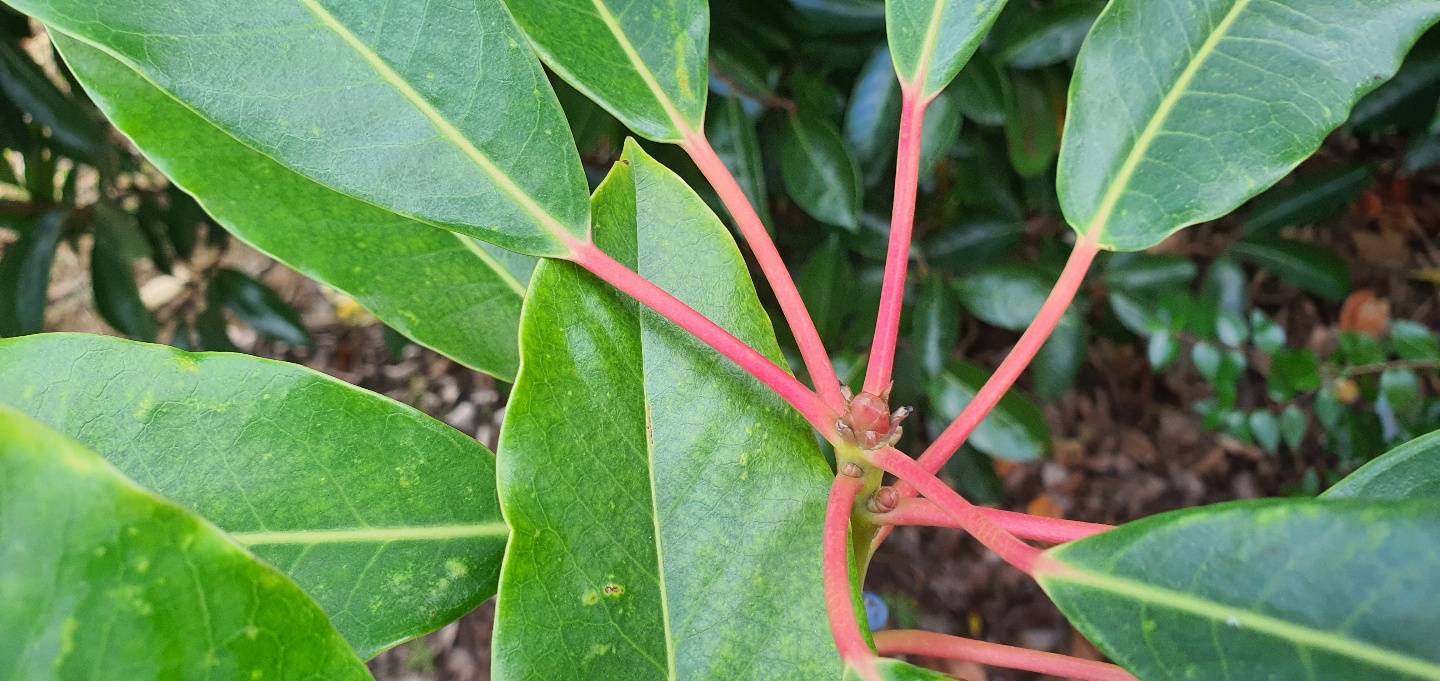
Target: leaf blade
(146, 567)
(1410, 471)
(1123, 156)
(273, 75)
(217, 433)
(932, 41)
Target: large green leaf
(1166, 132)
(1315, 590)
(645, 61)
(384, 516)
(819, 171)
(443, 290)
(666, 508)
(104, 580)
(1410, 471)
(437, 112)
(930, 41)
(894, 670)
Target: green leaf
(118, 583)
(1268, 336)
(941, 132)
(1032, 122)
(1007, 295)
(1058, 363)
(1414, 341)
(1308, 199)
(1015, 431)
(1358, 349)
(1139, 272)
(383, 515)
(1401, 389)
(1410, 471)
(1294, 372)
(117, 297)
(626, 520)
(825, 285)
(1308, 267)
(1265, 428)
(1407, 101)
(645, 62)
(1323, 590)
(258, 306)
(1187, 128)
(936, 323)
(69, 122)
(1162, 350)
(443, 290)
(872, 116)
(386, 112)
(931, 41)
(980, 91)
(1228, 286)
(25, 275)
(1208, 360)
(1293, 426)
(732, 135)
(1027, 37)
(819, 171)
(978, 239)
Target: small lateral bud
(884, 500)
(851, 470)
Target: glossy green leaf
(1007, 295)
(646, 62)
(1015, 431)
(1162, 134)
(980, 91)
(1060, 359)
(1414, 341)
(1294, 424)
(387, 110)
(443, 290)
(108, 581)
(1137, 272)
(383, 515)
(825, 284)
(1294, 371)
(257, 305)
(872, 116)
(671, 531)
(980, 238)
(936, 323)
(1306, 266)
(1308, 199)
(1265, 429)
(1032, 123)
(70, 124)
(732, 134)
(931, 40)
(941, 131)
(25, 275)
(1406, 102)
(1316, 590)
(117, 297)
(1161, 350)
(1410, 471)
(819, 172)
(1028, 36)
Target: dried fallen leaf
(1365, 313)
(1045, 507)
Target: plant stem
(1023, 525)
(968, 516)
(897, 260)
(597, 262)
(1014, 364)
(802, 327)
(1399, 364)
(839, 601)
(909, 642)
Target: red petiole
(929, 644)
(897, 258)
(925, 512)
(839, 603)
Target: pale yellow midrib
(1228, 616)
(1152, 130)
(372, 535)
(444, 126)
(646, 75)
(500, 270)
(927, 49)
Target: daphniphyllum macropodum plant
(660, 507)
